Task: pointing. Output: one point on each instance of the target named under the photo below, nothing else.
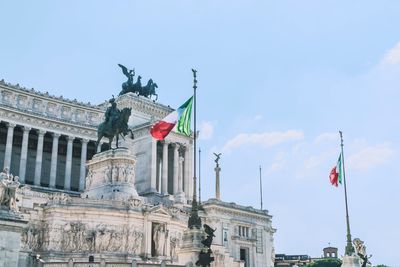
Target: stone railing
(106, 264)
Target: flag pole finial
(349, 246)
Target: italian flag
(180, 118)
(336, 173)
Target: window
(244, 231)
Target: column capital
(41, 132)
(84, 140)
(11, 125)
(70, 138)
(56, 135)
(27, 128)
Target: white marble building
(126, 207)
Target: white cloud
(326, 137)
(265, 139)
(371, 157)
(392, 57)
(206, 130)
(278, 164)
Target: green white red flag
(180, 117)
(336, 173)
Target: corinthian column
(10, 135)
(153, 178)
(83, 165)
(186, 174)
(39, 157)
(24, 154)
(180, 196)
(68, 164)
(53, 164)
(176, 168)
(164, 179)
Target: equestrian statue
(115, 124)
(129, 87)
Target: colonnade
(181, 175)
(39, 157)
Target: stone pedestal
(11, 226)
(351, 261)
(111, 175)
(191, 247)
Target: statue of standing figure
(8, 187)
(159, 237)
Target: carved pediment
(160, 210)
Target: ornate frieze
(76, 236)
(42, 105)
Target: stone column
(68, 164)
(39, 157)
(186, 178)
(98, 148)
(8, 152)
(153, 178)
(53, 164)
(180, 196)
(164, 177)
(180, 176)
(176, 168)
(24, 154)
(82, 175)
(217, 188)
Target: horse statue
(150, 89)
(137, 87)
(128, 85)
(115, 128)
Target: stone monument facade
(120, 207)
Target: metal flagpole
(261, 189)
(194, 219)
(349, 246)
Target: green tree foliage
(325, 263)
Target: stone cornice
(236, 210)
(144, 105)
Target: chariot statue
(148, 90)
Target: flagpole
(261, 189)
(349, 247)
(194, 219)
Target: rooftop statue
(129, 87)
(115, 123)
(218, 156)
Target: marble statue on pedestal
(8, 187)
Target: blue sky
(277, 80)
